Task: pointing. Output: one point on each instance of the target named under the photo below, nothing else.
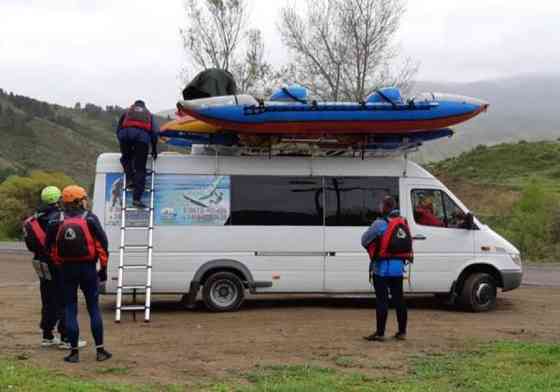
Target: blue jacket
(129, 135)
(389, 268)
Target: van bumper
(511, 279)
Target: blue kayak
(384, 112)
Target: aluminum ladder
(122, 287)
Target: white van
(226, 225)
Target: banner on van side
(179, 200)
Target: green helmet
(50, 195)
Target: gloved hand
(154, 155)
(102, 274)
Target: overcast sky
(112, 52)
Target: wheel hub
(483, 293)
(223, 293)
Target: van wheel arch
(225, 265)
(468, 277)
(478, 268)
(212, 267)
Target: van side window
(276, 201)
(355, 201)
(456, 217)
(435, 208)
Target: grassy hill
(515, 188)
(37, 135)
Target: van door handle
(420, 237)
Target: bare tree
(217, 37)
(254, 75)
(214, 31)
(343, 49)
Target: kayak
(378, 141)
(380, 114)
(188, 139)
(188, 124)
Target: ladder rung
(132, 209)
(135, 266)
(133, 307)
(142, 287)
(136, 247)
(136, 228)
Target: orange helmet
(73, 193)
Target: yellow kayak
(189, 124)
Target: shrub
(534, 223)
(20, 197)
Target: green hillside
(39, 136)
(515, 188)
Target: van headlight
(516, 258)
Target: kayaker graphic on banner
(113, 203)
(192, 200)
(179, 200)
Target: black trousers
(134, 156)
(52, 301)
(383, 285)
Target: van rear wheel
(479, 292)
(223, 292)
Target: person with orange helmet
(76, 241)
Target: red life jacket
(34, 235)
(74, 241)
(396, 242)
(426, 217)
(137, 117)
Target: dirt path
(193, 346)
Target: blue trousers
(83, 276)
(134, 155)
(383, 285)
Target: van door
(352, 204)
(442, 244)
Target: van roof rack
(317, 149)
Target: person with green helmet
(34, 232)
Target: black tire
(223, 292)
(479, 292)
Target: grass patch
(18, 376)
(503, 366)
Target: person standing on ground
(389, 245)
(137, 129)
(76, 241)
(50, 283)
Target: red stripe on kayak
(337, 127)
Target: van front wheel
(223, 292)
(479, 292)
